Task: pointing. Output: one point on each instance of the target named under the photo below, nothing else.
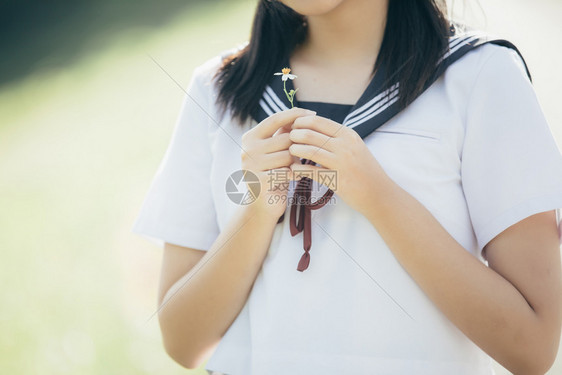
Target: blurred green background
(85, 118)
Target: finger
(321, 175)
(276, 143)
(313, 138)
(270, 125)
(284, 129)
(314, 153)
(269, 145)
(320, 124)
(275, 160)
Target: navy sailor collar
(379, 101)
(377, 105)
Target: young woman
(440, 245)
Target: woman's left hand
(337, 148)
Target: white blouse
(474, 149)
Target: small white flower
(286, 73)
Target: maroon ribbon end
(303, 263)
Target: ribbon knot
(302, 203)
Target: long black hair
(415, 37)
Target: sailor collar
(377, 105)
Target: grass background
(85, 118)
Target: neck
(353, 31)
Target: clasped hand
(277, 143)
(336, 148)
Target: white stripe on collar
(365, 112)
(274, 96)
(390, 100)
(460, 44)
(372, 105)
(265, 108)
(271, 102)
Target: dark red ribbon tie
(301, 201)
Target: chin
(312, 7)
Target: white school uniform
(474, 149)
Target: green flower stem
(290, 95)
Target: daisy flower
(285, 75)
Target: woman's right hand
(265, 152)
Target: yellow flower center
(286, 70)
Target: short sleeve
(178, 207)
(511, 166)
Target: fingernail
(308, 112)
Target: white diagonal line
(362, 269)
(199, 267)
(460, 45)
(271, 102)
(279, 102)
(365, 115)
(391, 102)
(265, 107)
(199, 105)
